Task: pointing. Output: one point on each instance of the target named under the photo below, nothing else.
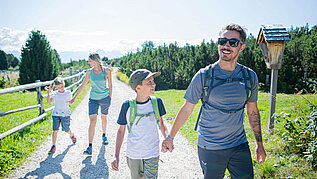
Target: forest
(179, 64)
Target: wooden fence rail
(42, 111)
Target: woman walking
(100, 95)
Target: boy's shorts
(64, 121)
(143, 168)
(103, 103)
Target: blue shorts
(103, 103)
(237, 160)
(64, 121)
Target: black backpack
(208, 86)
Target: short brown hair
(237, 28)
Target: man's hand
(167, 145)
(260, 154)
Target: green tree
(148, 45)
(39, 61)
(12, 60)
(3, 61)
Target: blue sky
(123, 25)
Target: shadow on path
(99, 170)
(50, 166)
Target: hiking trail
(69, 161)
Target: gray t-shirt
(217, 129)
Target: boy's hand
(47, 89)
(167, 145)
(115, 164)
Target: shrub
(123, 77)
(301, 133)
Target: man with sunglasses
(222, 142)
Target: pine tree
(39, 61)
(3, 61)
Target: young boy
(143, 138)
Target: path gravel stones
(69, 162)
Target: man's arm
(255, 123)
(183, 114)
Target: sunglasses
(232, 42)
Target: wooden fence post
(273, 90)
(71, 74)
(78, 77)
(40, 99)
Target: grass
(279, 164)
(15, 148)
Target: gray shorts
(103, 103)
(59, 120)
(237, 160)
(143, 168)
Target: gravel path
(69, 162)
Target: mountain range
(76, 55)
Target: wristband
(170, 138)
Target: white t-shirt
(61, 103)
(143, 140)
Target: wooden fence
(42, 111)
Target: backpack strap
(133, 109)
(206, 87)
(247, 81)
(208, 83)
(133, 112)
(156, 110)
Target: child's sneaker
(74, 140)
(88, 151)
(52, 150)
(104, 140)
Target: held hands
(167, 145)
(115, 164)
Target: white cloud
(83, 41)
(74, 33)
(11, 40)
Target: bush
(122, 77)
(307, 86)
(301, 134)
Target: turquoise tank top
(99, 89)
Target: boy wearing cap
(143, 139)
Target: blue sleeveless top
(99, 89)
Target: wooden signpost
(271, 39)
